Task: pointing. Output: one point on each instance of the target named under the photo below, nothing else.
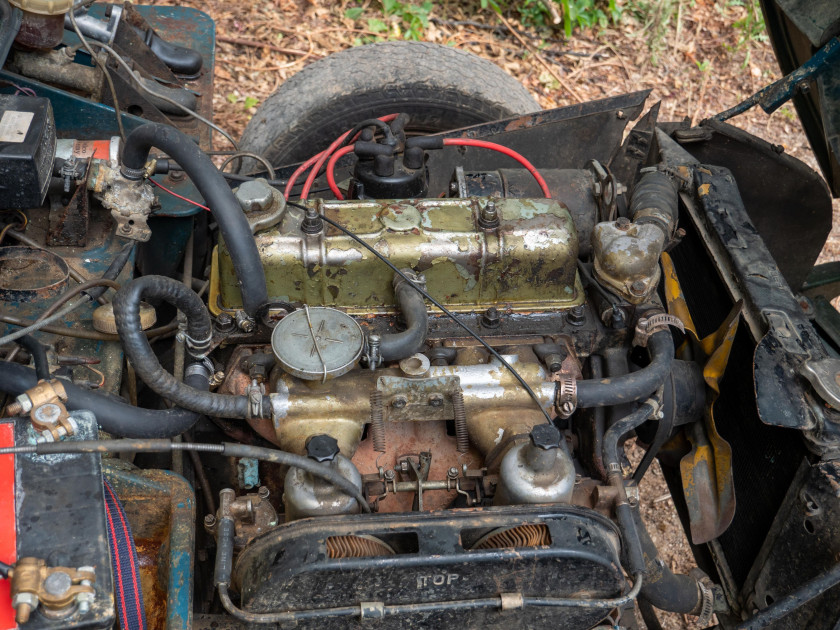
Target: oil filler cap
(317, 343)
(105, 322)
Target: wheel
(440, 87)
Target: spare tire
(439, 87)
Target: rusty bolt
(452, 473)
(489, 215)
(638, 287)
(491, 318)
(435, 400)
(224, 322)
(177, 176)
(577, 315)
(263, 493)
(389, 475)
(622, 223)
(210, 521)
(399, 402)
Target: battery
(58, 516)
(27, 150)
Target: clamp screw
(399, 402)
(577, 315)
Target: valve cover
(526, 263)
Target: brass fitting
(45, 405)
(58, 590)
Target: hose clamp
(647, 326)
(255, 392)
(707, 604)
(198, 348)
(565, 397)
(133, 173)
(203, 368)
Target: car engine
(406, 399)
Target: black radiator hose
(398, 346)
(663, 588)
(220, 199)
(635, 386)
(112, 414)
(145, 362)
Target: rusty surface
(69, 223)
(28, 274)
(353, 546)
(528, 535)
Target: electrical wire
(255, 156)
(484, 144)
(105, 71)
(331, 171)
(44, 322)
(440, 306)
(163, 97)
(174, 194)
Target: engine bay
(402, 400)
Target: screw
(399, 402)
(312, 223)
(389, 475)
(435, 400)
(14, 409)
(263, 493)
(245, 323)
(622, 223)
(210, 521)
(452, 473)
(577, 315)
(176, 176)
(491, 318)
(224, 322)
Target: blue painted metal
(160, 506)
(773, 96)
(248, 472)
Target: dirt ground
(697, 65)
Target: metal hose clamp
(565, 399)
(198, 348)
(647, 326)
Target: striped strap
(126, 567)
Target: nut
(399, 402)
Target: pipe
(114, 269)
(663, 588)
(790, 602)
(145, 362)
(212, 186)
(398, 346)
(634, 386)
(623, 511)
(113, 415)
(655, 201)
(39, 355)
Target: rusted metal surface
(55, 66)
(69, 223)
(351, 546)
(160, 507)
(519, 536)
(28, 274)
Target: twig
(550, 5)
(248, 42)
(542, 61)
(699, 108)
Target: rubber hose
(631, 387)
(113, 270)
(398, 346)
(211, 184)
(663, 588)
(623, 511)
(113, 415)
(39, 355)
(145, 362)
(655, 201)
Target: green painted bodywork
(527, 263)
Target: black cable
(4, 569)
(274, 456)
(445, 310)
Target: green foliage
(655, 17)
(408, 19)
(751, 27)
(251, 101)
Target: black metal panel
(804, 542)
(289, 568)
(788, 202)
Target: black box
(27, 150)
